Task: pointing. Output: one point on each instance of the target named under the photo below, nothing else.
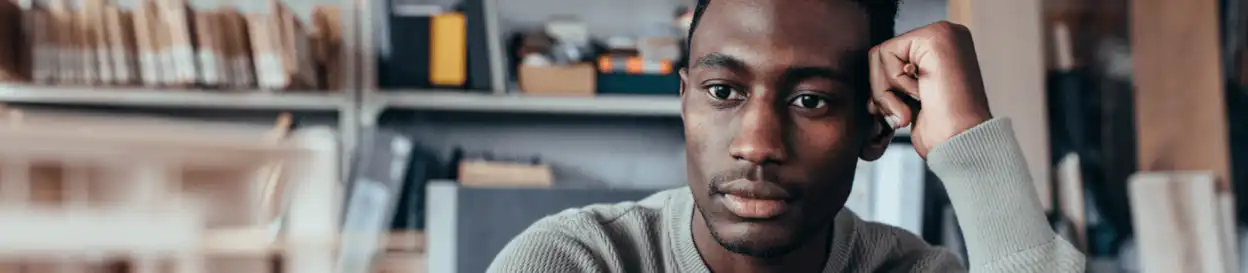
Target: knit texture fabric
(982, 169)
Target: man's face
(774, 118)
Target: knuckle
(948, 33)
(950, 28)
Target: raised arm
(929, 79)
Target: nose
(760, 137)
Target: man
(780, 100)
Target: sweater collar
(685, 257)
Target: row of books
(164, 43)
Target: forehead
(788, 32)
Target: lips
(754, 199)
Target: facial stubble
(746, 245)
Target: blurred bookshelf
(174, 98)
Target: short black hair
(881, 16)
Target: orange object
(449, 48)
(633, 65)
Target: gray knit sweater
(983, 170)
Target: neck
(810, 257)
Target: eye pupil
(721, 92)
(808, 101)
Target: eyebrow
(798, 73)
(791, 74)
(720, 60)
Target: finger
(898, 114)
(899, 69)
(895, 112)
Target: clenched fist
(929, 78)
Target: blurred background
(456, 124)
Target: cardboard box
(479, 173)
(576, 80)
(403, 262)
(407, 241)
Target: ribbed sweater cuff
(992, 192)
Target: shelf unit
(485, 102)
(170, 98)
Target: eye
(809, 102)
(723, 92)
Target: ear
(877, 141)
(684, 80)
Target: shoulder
(595, 238)
(893, 249)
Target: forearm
(996, 203)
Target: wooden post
(1180, 100)
(1181, 125)
(1010, 47)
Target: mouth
(754, 200)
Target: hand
(929, 78)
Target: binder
(479, 73)
(68, 56)
(121, 45)
(448, 50)
(281, 50)
(10, 42)
(163, 51)
(147, 43)
(267, 62)
(43, 46)
(84, 50)
(181, 47)
(238, 49)
(404, 45)
(327, 22)
(268, 65)
(208, 48)
(298, 50)
(94, 37)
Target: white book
(897, 191)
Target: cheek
(826, 152)
(696, 138)
(826, 141)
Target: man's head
(775, 108)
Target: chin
(757, 239)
